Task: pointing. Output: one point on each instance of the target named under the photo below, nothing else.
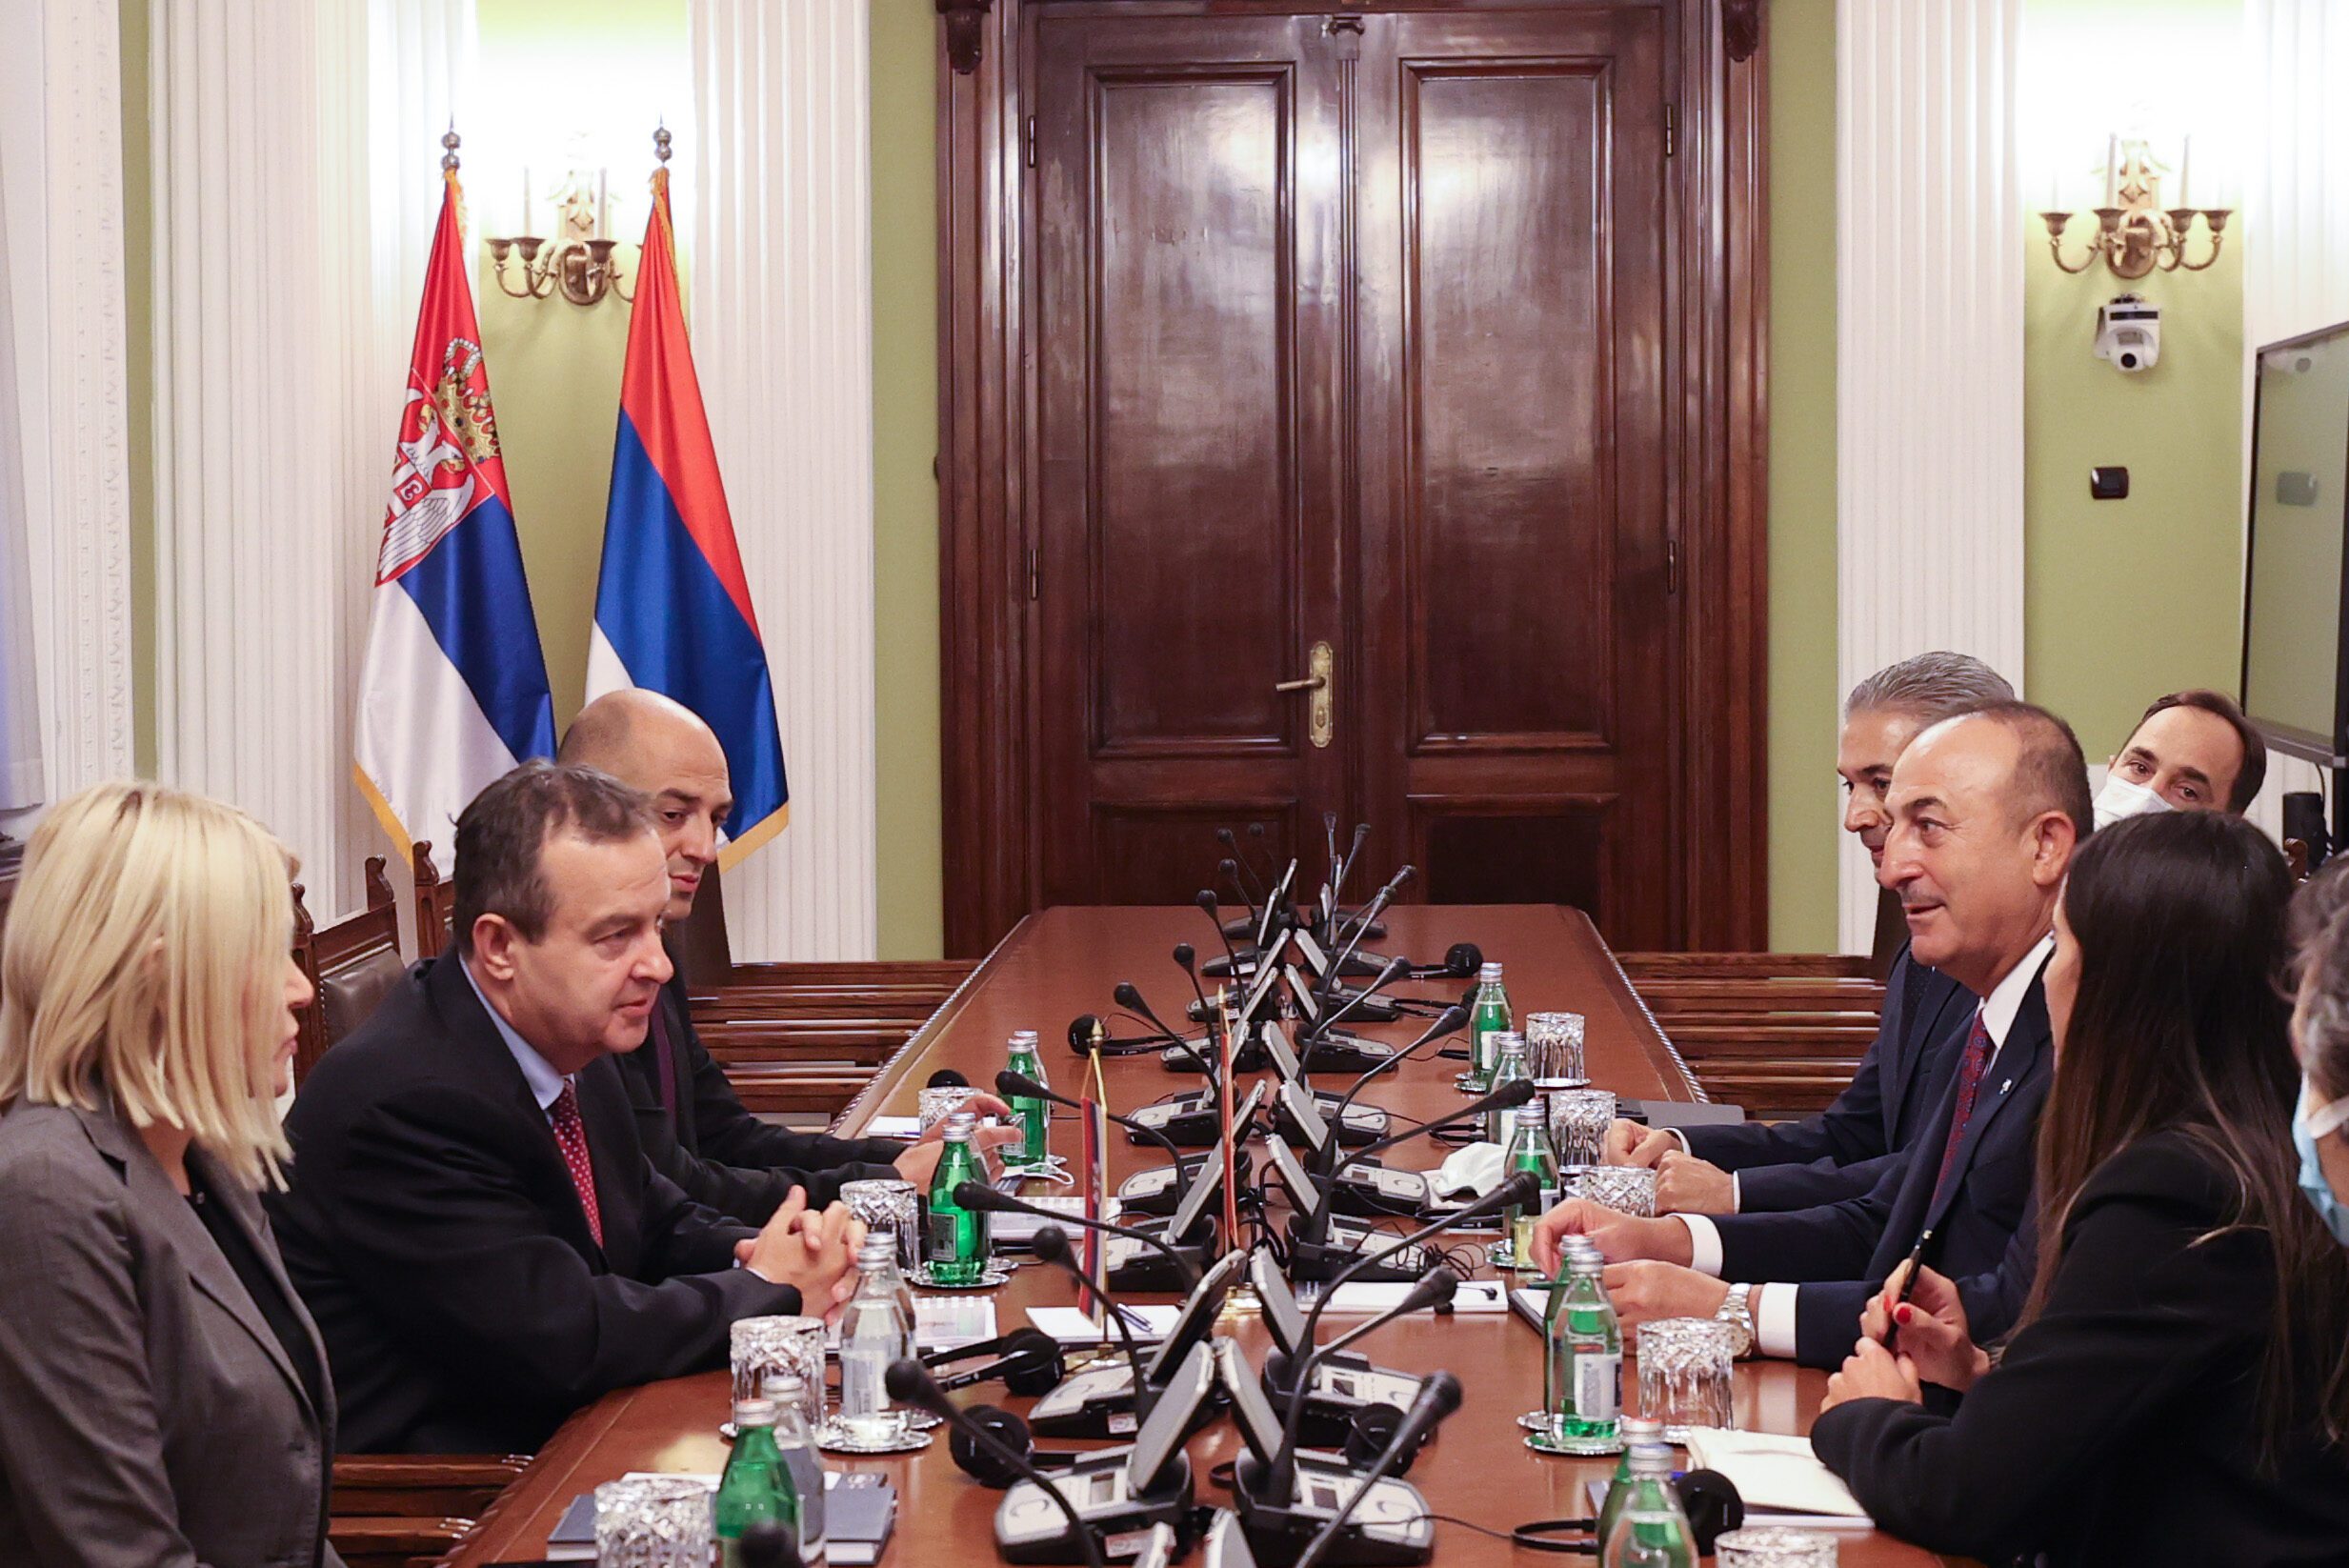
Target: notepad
(1072, 1327)
(1362, 1298)
(1781, 1478)
(940, 1322)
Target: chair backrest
(353, 965)
(435, 902)
(699, 941)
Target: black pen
(1916, 1261)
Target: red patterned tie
(570, 1136)
(1969, 1084)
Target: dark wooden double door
(1350, 343)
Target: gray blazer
(148, 1417)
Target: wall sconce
(2135, 232)
(579, 261)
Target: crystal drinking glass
(1626, 1188)
(895, 1204)
(1553, 1050)
(1775, 1546)
(1684, 1375)
(765, 1347)
(1579, 1120)
(656, 1521)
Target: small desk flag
(453, 691)
(673, 607)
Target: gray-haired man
(1838, 1153)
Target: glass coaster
(985, 1281)
(1467, 1084)
(1503, 1255)
(832, 1438)
(1550, 1443)
(1538, 1421)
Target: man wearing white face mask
(2192, 751)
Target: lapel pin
(2007, 1085)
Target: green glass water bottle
(1586, 1361)
(1543, 1422)
(1033, 1112)
(1651, 1532)
(1489, 1016)
(954, 1248)
(757, 1487)
(1639, 1432)
(1508, 1065)
(1529, 1152)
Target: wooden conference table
(1063, 962)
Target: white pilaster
(1930, 349)
(61, 157)
(779, 214)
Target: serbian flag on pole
(672, 608)
(453, 692)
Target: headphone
(1708, 1498)
(1029, 1360)
(984, 1465)
(1461, 961)
(1080, 1039)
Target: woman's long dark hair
(2179, 1024)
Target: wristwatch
(1739, 1314)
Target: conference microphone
(1281, 1482)
(1051, 1245)
(1337, 1396)
(1128, 996)
(1332, 977)
(1188, 957)
(1335, 925)
(1214, 910)
(909, 1383)
(1507, 1097)
(1085, 1026)
(1396, 969)
(977, 1195)
(1438, 1397)
(1436, 1289)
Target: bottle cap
(784, 1387)
(1506, 1041)
(1590, 1263)
(1023, 1039)
(1488, 972)
(959, 1127)
(1650, 1460)
(1529, 1119)
(756, 1412)
(880, 1248)
(1639, 1430)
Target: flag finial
(450, 141)
(660, 143)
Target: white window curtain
(21, 778)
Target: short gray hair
(1930, 686)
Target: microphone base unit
(1097, 1402)
(1378, 1192)
(1222, 968)
(1390, 1529)
(1339, 1052)
(1250, 1057)
(1344, 1385)
(1359, 1125)
(1324, 1260)
(1200, 1240)
(1193, 1121)
(1373, 1009)
(1160, 1190)
(1029, 1526)
(1133, 1265)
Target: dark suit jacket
(152, 1417)
(1842, 1152)
(701, 1136)
(2120, 1426)
(436, 1234)
(1842, 1252)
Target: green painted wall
(905, 490)
(2125, 601)
(1803, 803)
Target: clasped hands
(1684, 1184)
(1904, 1345)
(814, 1251)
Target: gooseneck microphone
(1438, 1397)
(909, 1383)
(1188, 957)
(977, 1195)
(1020, 1086)
(1337, 923)
(1128, 996)
(1436, 1289)
(1280, 1480)
(1214, 910)
(1051, 1245)
(1507, 1097)
(1396, 969)
(1370, 918)
(1250, 889)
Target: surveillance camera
(2129, 333)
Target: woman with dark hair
(2174, 1390)
(2320, 1036)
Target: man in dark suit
(471, 1220)
(1841, 1153)
(695, 1128)
(1987, 809)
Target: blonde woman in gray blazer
(164, 1396)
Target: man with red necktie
(471, 1218)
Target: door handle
(1321, 680)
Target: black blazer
(712, 1145)
(2120, 1426)
(1842, 1252)
(435, 1234)
(1842, 1152)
